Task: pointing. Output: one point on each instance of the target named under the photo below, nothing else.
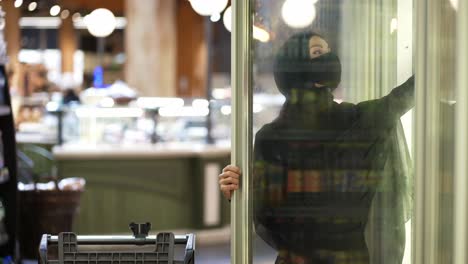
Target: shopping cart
(68, 248)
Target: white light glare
(52, 106)
(18, 3)
(187, 111)
(32, 6)
(215, 17)
(208, 7)
(76, 17)
(200, 103)
(393, 25)
(226, 109)
(298, 13)
(156, 102)
(261, 34)
(454, 4)
(55, 10)
(40, 22)
(107, 102)
(101, 22)
(219, 93)
(258, 33)
(109, 112)
(257, 108)
(227, 19)
(65, 14)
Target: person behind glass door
(320, 166)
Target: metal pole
(461, 146)
(241, 81)
(420, 101)
(427, 146)
(101, 49)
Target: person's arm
(386, 110)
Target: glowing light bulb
(298, 13)
(101, 22)
(76, 17)
(227, 19)
(32, 6)
(18, 3)
(208, 7)
(55, 10)
(215, 17)
(65, 14)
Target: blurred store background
(122, 114)
(122, 108)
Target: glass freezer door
(325, 96)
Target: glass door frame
(426, 151)
(461, 164)
(241, 141)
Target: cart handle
(120, 240)
(188, 239)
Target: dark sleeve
(385, 111)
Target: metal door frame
(426, 151)
(425, 221)
(461, 134)
(241, 142)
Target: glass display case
(151, 120)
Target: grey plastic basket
(69, 252)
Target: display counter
(173, 186)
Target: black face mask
(294, 73)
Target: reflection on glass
(445, 55)
(320, 166)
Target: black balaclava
(294, 69)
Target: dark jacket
(320, 168)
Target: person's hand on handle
(229, 180)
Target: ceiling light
(298, 13)
(227, 19)
(65, 14)
(76, 17)
(208, 7)
(215, 17)
(55, 10)
(18, 3)
(32, 6)
(101, 22)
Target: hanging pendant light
(208, 7)
(101, 22)
(298, 13)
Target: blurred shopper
(330, 181)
